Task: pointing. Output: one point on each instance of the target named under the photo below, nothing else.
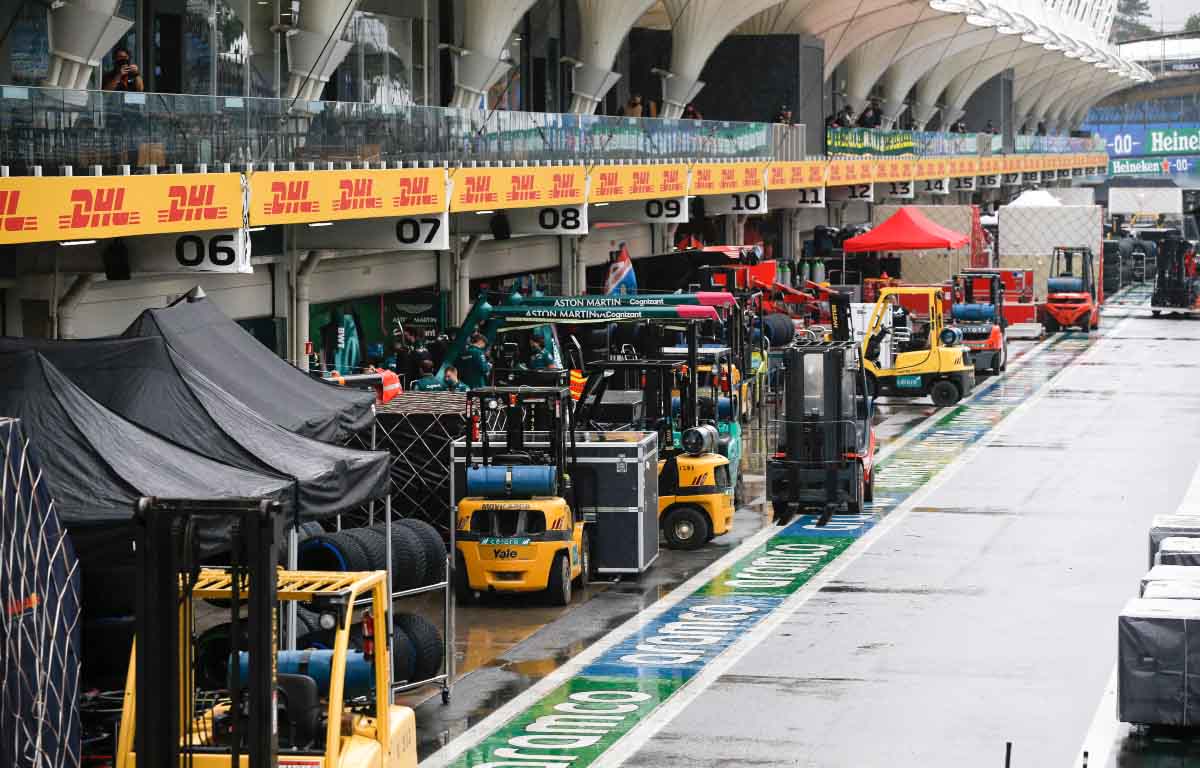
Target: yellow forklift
(907, 356)
(517, 528)
(313, 708)
(695, 488)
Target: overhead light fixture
(77, 242)
(599, 205)
(484, 213)
(256, 229)
(321, 224)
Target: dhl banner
(722, 178)
(932, 168)
(848, 172)
(479, 189)
(36, 209)
(895, 170)
(614, 183)
(299, 197)
(804, 174)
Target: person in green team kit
(452, 382)
(428, 381)
(473, 365)
(540, 359)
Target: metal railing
(1058, 144)
(52, 127)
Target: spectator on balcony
(989, 127)
(125, 75)
(871, 117)
(784, 115)
(1041, 129)
(633, 107)
(845, 118)
(691, 113)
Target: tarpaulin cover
(1158, 662)
(239, 364)
(98, 464)
(1171, 573)
(39, 628)
(906, 230)
(150, 384)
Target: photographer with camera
(125, 75)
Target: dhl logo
(355, 195)
(779, 175)
(835, 171)
(192, 203)
(98, 208)
(851, 172)
(414, 192)
(521, 188)
(672, 181)
(566, 186)
(641, 183)
(478, 189)
(10, 199)
(609, 184)
(752, 176)
(290, 197)
(728, 178)
(704, 178)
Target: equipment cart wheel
(558, 588)
(445, 696)
(685, 528)
(944, 393)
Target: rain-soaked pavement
(973, 609)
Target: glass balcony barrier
(1059, 144)
(51, 128)
(858, 142)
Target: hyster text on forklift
(907, 356)
(978, 311)
(518, 529)
(1071, 299)
(823, 462)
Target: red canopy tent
(906, 230)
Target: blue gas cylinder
(511, 482)
(973, 311)
(318, 664)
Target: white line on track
(649, 726)
(572, 667)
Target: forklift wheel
(869, 488)
(558, 586)
(872, 386)
(944, 393)
(1155, 313)
(1001, 358)
(462, 585)
(1051, 325)
(854, 504)
(585, 555)
(685, 528)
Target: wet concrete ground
(987, 614)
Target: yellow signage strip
(478, 189)
(614, 183)
(35, 209)
(300, 197)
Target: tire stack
(418, 560)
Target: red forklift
(978, 311)
(1071, 297)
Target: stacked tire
(418, 552)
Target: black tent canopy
(98, 464)
(237, 363)
(150, 384)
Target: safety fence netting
(416, 429)
(39, 626)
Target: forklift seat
(299, 709)
(512, 459)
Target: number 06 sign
(216, 251)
